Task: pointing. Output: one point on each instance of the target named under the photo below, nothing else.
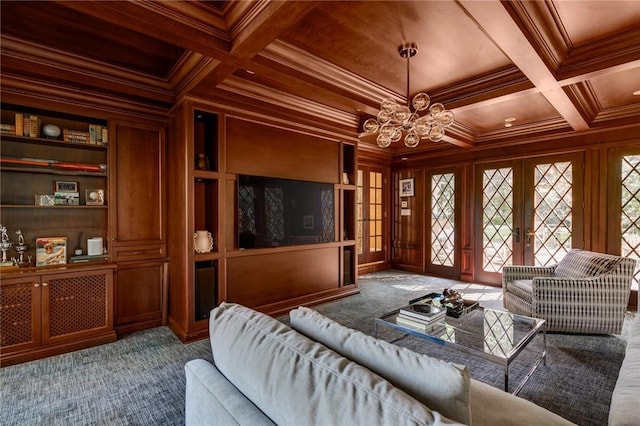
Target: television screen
(275, 212)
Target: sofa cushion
(296, 381)
(582, 264)
(210, 399)
(491, 406)
(440, 385)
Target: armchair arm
(581, 305)
(521, 272)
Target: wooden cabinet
(205, 194)
(137, 224)
(347, 222)
(196, 205)
(50, 312)
(34, 166)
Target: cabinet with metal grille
(45, 313)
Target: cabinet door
(138, 186)
(19, 313)
(140, 296)
(76, 305)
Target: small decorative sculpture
(5, 245)
(21, 248)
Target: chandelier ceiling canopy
(395, 120)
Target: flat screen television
(274, 212)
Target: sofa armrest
(521, 272)
(212, 400)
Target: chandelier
(395, 120)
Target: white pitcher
(202, 241)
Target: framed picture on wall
(406, 188)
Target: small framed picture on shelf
(94, 197)
(65, 186)
(406, 187)
(51, 251)
(64, 198)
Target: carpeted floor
(139, 380)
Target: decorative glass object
(395, 120)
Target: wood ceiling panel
(616, 90)
(363, 38)
(588, 21)
(49, 24)
(526, 109)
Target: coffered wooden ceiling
(557, 67)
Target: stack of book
(423, 316)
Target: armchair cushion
(521, 288)
(583, 264)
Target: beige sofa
(625, 401)
(318, 372)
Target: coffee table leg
(506, 378)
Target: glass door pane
(497, 218)
(630, 211)
(551, 238)
(443, 219)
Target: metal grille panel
(553, 184)
(77, 304)
(328, 216)
(247, 209)
(497, 218)
(442, 219)
(274, 205)
(630, 211)
(15, 314)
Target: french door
(624, 209)
(371, 187)
(442, 241)
(528, 212)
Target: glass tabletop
(492, 334)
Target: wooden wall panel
(261, 150)
(263, 279)
(408, 243)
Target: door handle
(529, 235)
(517, 235)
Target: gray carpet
(139, 380)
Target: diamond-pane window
(553, 185)
(497, 218)
(630, 211)
(442, 219)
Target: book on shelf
(424, 312)
(82, 258)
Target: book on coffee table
(425, 313)
(419, 325)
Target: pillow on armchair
(583, 264)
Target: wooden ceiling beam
(152, 19)
(497, 24)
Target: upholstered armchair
(586, 292)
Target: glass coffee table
(495, 335)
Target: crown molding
(41, 93)
(51, 63)
(262, 93)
